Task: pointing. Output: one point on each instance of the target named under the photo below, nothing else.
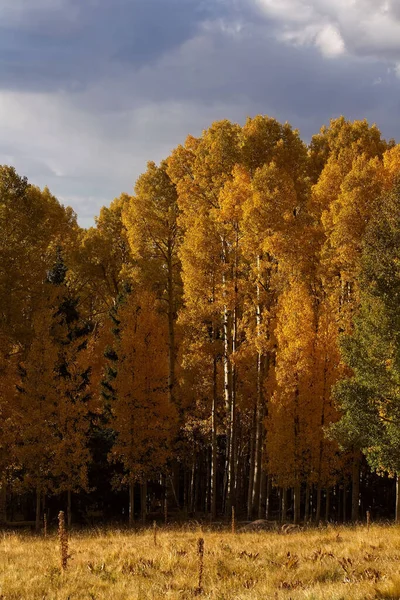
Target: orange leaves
(295, 336)
(143, 418)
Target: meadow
(332, 563)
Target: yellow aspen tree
(102, 261)
(8, 381)
(32, 224)
(273, 221)
(324, 463)
(229, 219)
(200, 170)
(343, 199)
(292, 403)
(36, 409)
(344, 139)
(142, 417)
(344, 223)
(200, 321)
(151, 221)
(391, 167)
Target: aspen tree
(101, 264)
(343, 200)
(8, 380)
(36, 410)
(142, 417)
(291, 404)
(200, 170)
(151, 220)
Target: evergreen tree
(370, 398)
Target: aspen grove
(228, 336)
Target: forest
(226, 337)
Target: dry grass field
(331, 563)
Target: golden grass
(330, 563)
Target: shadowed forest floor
(328, 563)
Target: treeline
(226, 337)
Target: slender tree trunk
(344, 503)
(172, 354)
(296, 503)
(319, 502)
(321, 443)
(232, 450)
(185, 491)
(236, 455)
(143, 501)
(284, 505)
(229, 332)
(327, 505)
(307, 504)
(239, 470)
(252, 460)
(131, 503)
(214, 443)
(297, 463)
(241, 474)
(207, 496)
(263, 494)
(355, 498)
(397, 515)
(280, 505)
(228, 407)
(197, 491)
(171, 329)
(38, 511)
(232, 376)
(69, 509)
(258, 438)
(175, 482)
(3, 503)
(268, 498)
(259, 427)
(175, 476)
(192, 484)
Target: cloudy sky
(92, 89)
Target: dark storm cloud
(250, 68)
(72, 43)
(91, 90)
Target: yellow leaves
(142, 416)
(343, 136)
(270, 273)
(53, 398)
(218, 152)
(345, 196)
(258, 140)
(233, 197)
(32, 225)
(307, 365)
(295, 336)
(328, 187)
(151, 214)
(103, 259)
(334, 150)
(265, 141)
(391, 163)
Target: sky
(90, 90)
